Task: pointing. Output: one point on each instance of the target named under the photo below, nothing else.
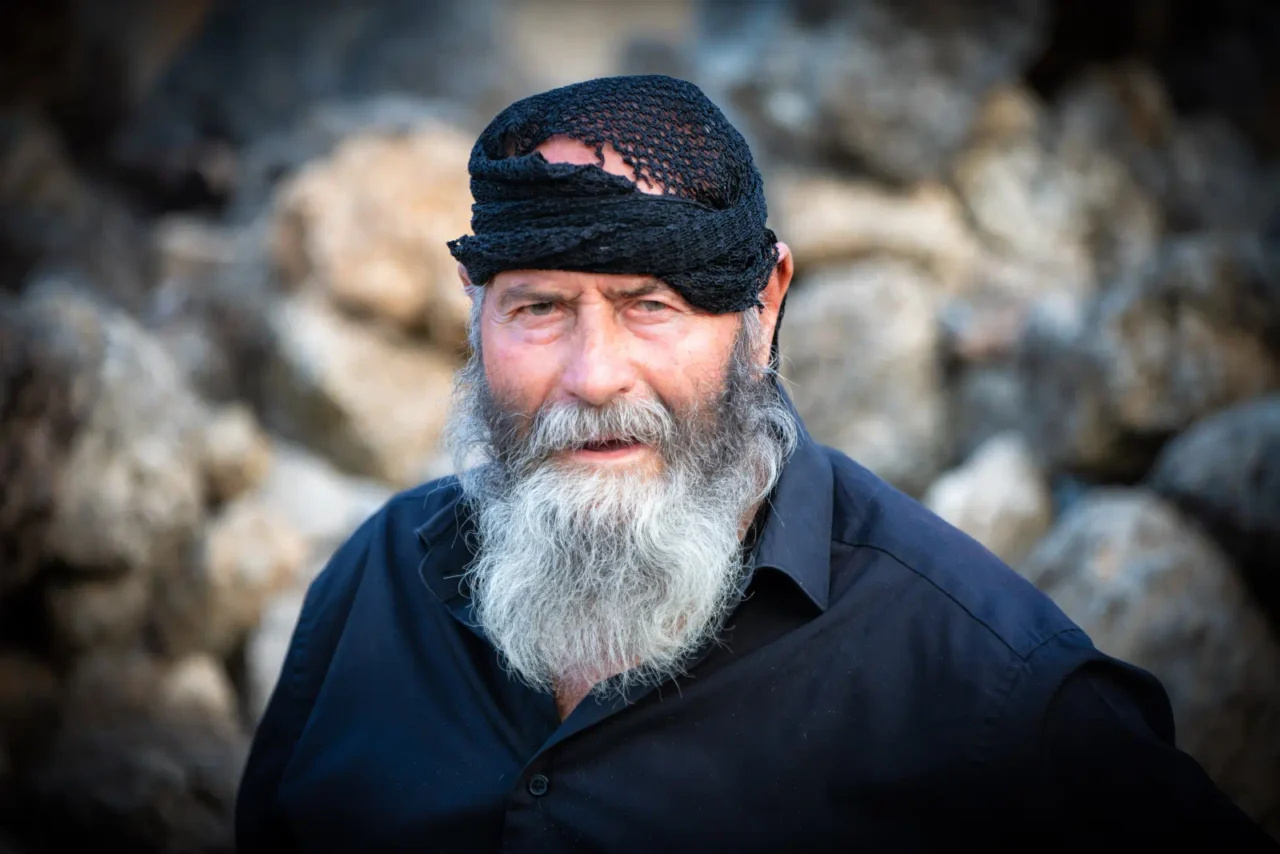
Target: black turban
(705, 235)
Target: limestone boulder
(982, 402)
(369, 225)
(315, 498)
(1197, 167)
(261, 70)
(210, 303)
(237, 453)
(146, 757)
(1150, 588)
(325, 506)
(826, 220)
(1225, 472)
(860, 352)
(999, 496)
(1055, 216)
(98, 613)
(55, 220)
(248, 554)
(374, 404)
(893, 86)
(41, 412)
(1194, 331)
(130, 489)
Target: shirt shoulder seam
(1024, 657)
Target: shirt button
(538, 785)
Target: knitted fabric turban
(705, 235)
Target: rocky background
(1038, 288)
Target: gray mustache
(571, 426)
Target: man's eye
(540, 309)
(651, 305)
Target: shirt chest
(444, 753)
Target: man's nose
(599, 366)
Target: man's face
(558, 337)
(599, 558)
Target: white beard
(583, 574)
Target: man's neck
(569, 694)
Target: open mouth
(606, 445)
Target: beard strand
(613, 577)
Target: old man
(651, 613)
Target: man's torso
(876, 718)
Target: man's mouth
(604, 446)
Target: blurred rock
(1057, 216)
(256, 69)
(894, 86)
(982, 328)
(248, 555)
(1193, 332)
(86, 614)
(323, 504)
(1066, 414)
(267, 648)
(268, 162)
(982, 401)
(557, 42)
(147, 759)
(41, 411)
(1197, 167)
(198, 682)
(1150, 589)
(1225, 472)
(210, 303)
(326, 506)
(131, 491)
(369, 226)
(826, 219)
(859, 350)
(237, 453)
(188, 248)
(1198, 330)
(374, 405)
(53, 220)
(1000, 497)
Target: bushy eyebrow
(530, 292)
(642, 290)
(526, 292)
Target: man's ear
(462, 274)
(772, 296)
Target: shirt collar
(795, 539)
(446, 539)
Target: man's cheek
(520, 379)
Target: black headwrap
(705, 235)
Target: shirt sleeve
(1112, 772)
(260, 824)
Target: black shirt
(885, 684)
